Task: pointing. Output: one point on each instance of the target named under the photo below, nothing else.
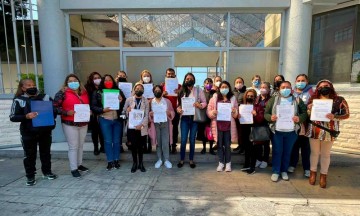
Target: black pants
(29, 143)
(264, 152)
(175, 123)
(137, 143)
(96, 134)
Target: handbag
(332, 133)
(260, 134)
(200, 114)
(208, 134)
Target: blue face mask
(285, 92)
(74, 85)
(300, 85)
(224, 91)
(256, 83)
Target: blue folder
(45, 113)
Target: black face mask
(122, 79)
(250, 100)
(277, 84)
(157, 94)
(325, 90)
(139, 93)
(190, 83)
(32, 91)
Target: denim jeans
(302, 143)
(187, 125)
(224, 150)
(111, 130)
(282, 144)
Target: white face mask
(146, 79)
(97, 81)
(217, 84)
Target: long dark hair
(228, 95)
(90, 86)
(185, 91)
(102, 86)
(22, 82)
(316, 95)
(65, 85)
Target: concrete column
(297, 33)
(53, 51)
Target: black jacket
(97, 106)
(21, 106)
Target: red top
(70, 99)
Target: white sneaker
(307, 173)
(285, 176)
(291, 169)
(158, 164)
(168, 164)
(228, 167)
(263, 165)
(274, 177)
(257, 163)
(220, 167)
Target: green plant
(32, 76)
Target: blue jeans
(282, 144)
(187, 124)
(302, 143)
(111, 130)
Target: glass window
(255, 30)
(90, 30)
(332, 42)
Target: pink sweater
(212, 106)
(152, 131)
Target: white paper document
(285, 113)
(148, 90)
(135, 118)
(246, 116)
(187, 105)
(321, 107)
(171, 84)
(111, 99)
(159, 112)
(126, 88)
(224, 112)
(82, 113)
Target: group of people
(314, 138)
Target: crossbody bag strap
(322, 127)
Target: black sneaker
(96, 152)
(237, 149)
(203, 151)
(245, 169)
(212, 152)
(82, 168)
(173, 150)
(30, 181)
(110, 166)
(50, 176)
(117, 164)
(76, 173)
(250, 171)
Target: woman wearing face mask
(256, 81)
(110, 122)
(121, 77)
(223, 131)
(320, 140)
(239, 90)
(31, 136)
(208, 92)
(160, 131)
(249, 165)
(187, 122)
(138, 135)
(263, 150)
(70, 94)
(217, 81)
(302, 91)
(278, 79)
(91, 86)
(283, 139)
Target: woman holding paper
(160, 132)
(137, 110)
(284, 113)
(320, 140)
(70, 94)
(188, 100)
(91, 86)
(223, 129)
(32, 136)
(109, 118)
(239, 91)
